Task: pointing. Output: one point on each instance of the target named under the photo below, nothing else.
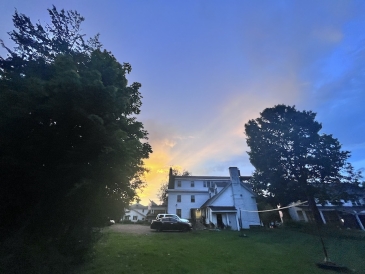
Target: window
(192, 184)
(135, 218)
(126, 217)
(179, 183)
(309, 215)
(331, 217)
(193, 198)
(179, 198)
(178, 212)
(300, 215)
(205, 184)
(356, 203)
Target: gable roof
(215, 197)
(248, 188)
(152, 203)
(138, 206)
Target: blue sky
(207, 67)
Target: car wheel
(185, 229)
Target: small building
(135, 213)
(154, 209)
(215, 201)
(347, 214)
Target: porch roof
(223, 208)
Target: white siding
(247, 203)
(136, 215)
(185, 205)
(225, 199)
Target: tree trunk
(313, 207)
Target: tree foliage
(292, 160)
(62, 36)
(71, 148)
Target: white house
(345, 213)
(135, 213)
(349, 214)
(214, 200)
(154, 209)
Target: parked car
(164, 215)
(170, 223)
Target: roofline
(211, 177)
(215, 197)
(203, 177)
(187, 191)
(141, 207)
(249, 189)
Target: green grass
(262, 251)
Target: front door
(219, 221)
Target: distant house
(222, 202)
(135, 213)
(154, 209)
(348, 214)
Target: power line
(276, 209)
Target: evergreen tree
(293, 161)
(71, 147)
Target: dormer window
(355, 203)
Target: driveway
(130, 228)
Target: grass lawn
(262, 251)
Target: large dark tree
(293, 161)
(71, 148)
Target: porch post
(358, 220)
(322, 217)
(238, 224)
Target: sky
(208, 67)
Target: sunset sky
(207, 67)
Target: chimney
(171, 180)
(236, 187)
(234, 173)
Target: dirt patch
(131, 228)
